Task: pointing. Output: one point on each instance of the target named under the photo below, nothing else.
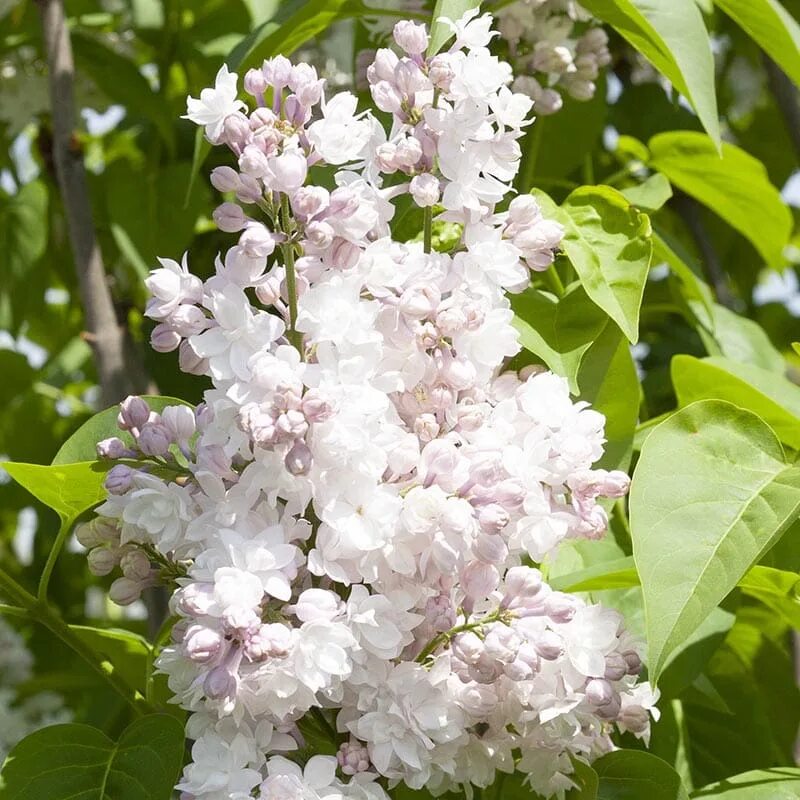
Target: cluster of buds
(549, 54)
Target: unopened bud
(124, 591)
(102, 560)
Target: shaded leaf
(710, 494)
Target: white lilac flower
(346, 513)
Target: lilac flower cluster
(555, 49)
(353, 514)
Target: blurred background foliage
(137, 60)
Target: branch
(689, 210)
(118, 376)
(786, 98)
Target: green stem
(551, 277)
(427, 235)
(44, 614)
(52, 557)
(529, 166)
(291, 277)
(441, 638)
(13, 611)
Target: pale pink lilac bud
(501, 643)
(343, 202)
(236, 132)
(599, 692)
(133, 413)
(633, 662)
(287, 172)
(119, 479)
(298, 460)
(278, 71)
(135, 565)
(616, 667)
(124, 591)
(308, 201)
(154, 439)
(164, 338)
(353, 757)
(411, 37)
(493, 518)
(102, 560)
(196, 599)
(425, 189)
(468, 647)
(253, 162)
(635, 718)
(315, 407)
(188, 321)
(439, 613)
(202, 644)
(561, 607)
(220, 683)
(549, 645)
(255, 83)
(257, 241)
(609, 711)
(441, 71)
(478, 579)
(383, 65)
(112, 448)
(180, 422)
(225, 179)
(189, 361)
(343, 254)
(490, 549)
(522, 585)
(229, 217)
(426, 428)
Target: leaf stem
(440, 638)
(52, 557)
(291, 277)
(553, 281)
(40, 612)
(427, 235)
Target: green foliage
(632, 774)
(673, 37)
(735, 186)
(768, 22)
(609, 244)
(707, 567)
(67, 761)
(712, 492)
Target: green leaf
(608, 380)
(650, 195)
(734, 186)
(69, 489)
(778, 783)
(609, 243)
(24, 233)
(772, 27)
(559, 331)
(673, 37)
(118, 77)
(617, 574)
(125, 652)
(453, 10)
(688, 661)
(774, 398)
(737, 338)
(776, 589)
(753, 677)
(81, 446)
(61, 762)
(710, 494)
(636, 775)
